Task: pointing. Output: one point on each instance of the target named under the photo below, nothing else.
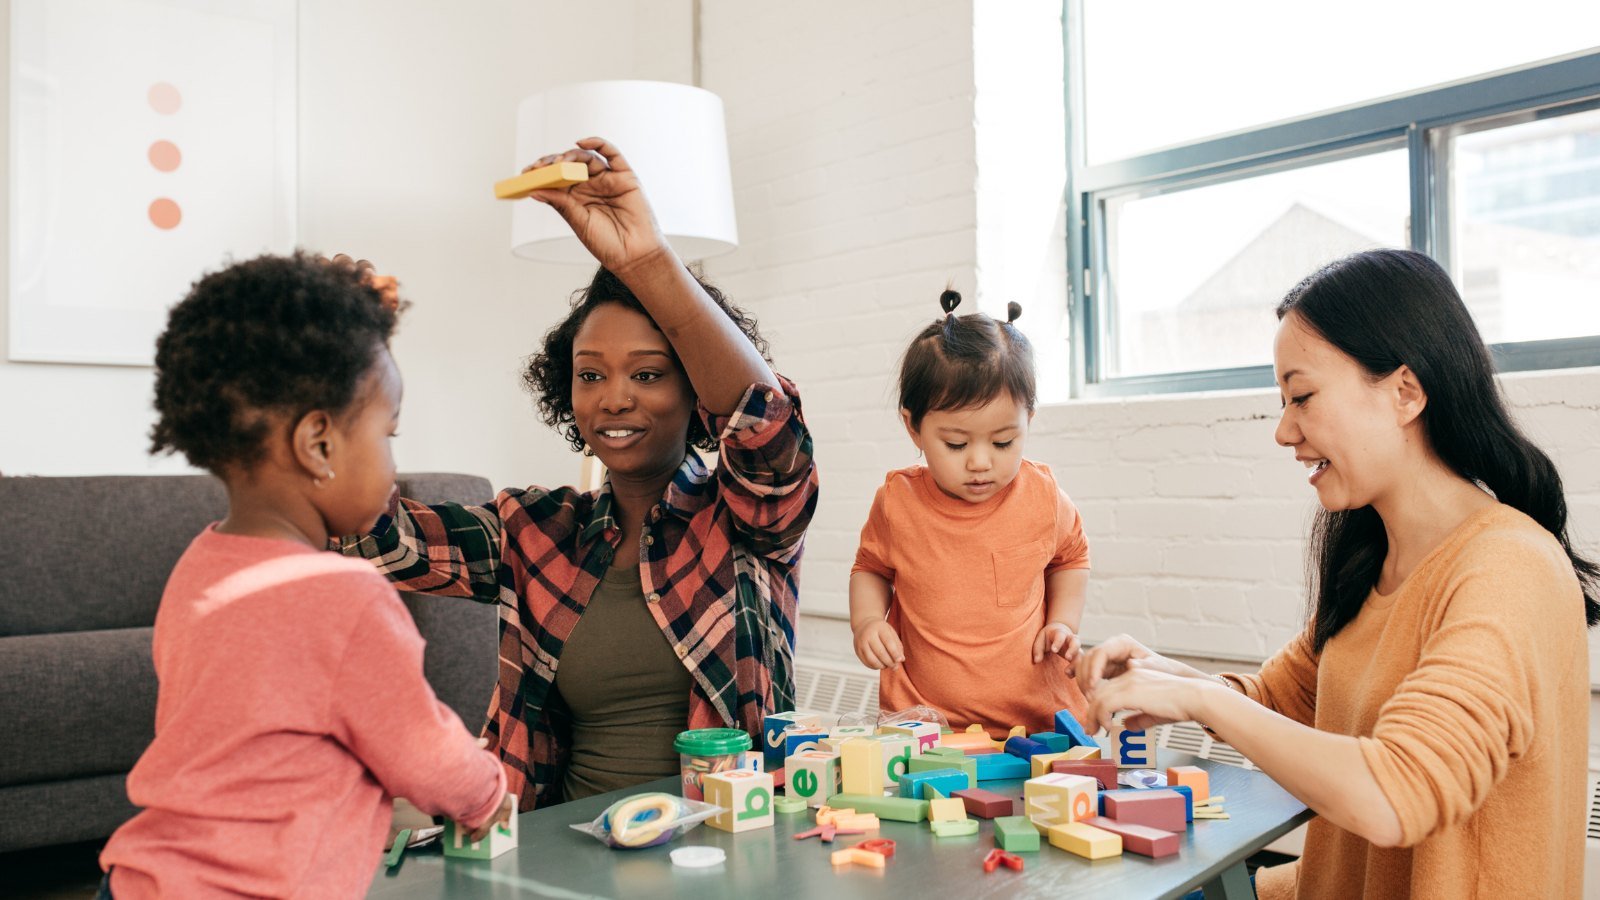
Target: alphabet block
(802, 737)
(897, 751)
(813, 776)
(1015, 834)
(1132, 748)
(1140, 839)
(772, 734)
(1085, 840)
(1040, 763)
(926, 734)
(1055, 798)
(746, 797)
(501, 838)
(1160, 809)
(1195, 777)
(861, 766)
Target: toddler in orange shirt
(969, 584)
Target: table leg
(1232, 884)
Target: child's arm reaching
(1065, 591)
(877, 646)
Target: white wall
(406, 118)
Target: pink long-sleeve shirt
(292, 708)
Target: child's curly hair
(959, 362)
(272, 335)
(548, 376)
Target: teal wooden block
(1058, 743)
(945, 780)
(1067, 724)
(1015, 834)
(898, 809)
(955, 828)
(1001, 767)
(931, 762)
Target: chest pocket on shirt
(1019, 573)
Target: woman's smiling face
(631, 399)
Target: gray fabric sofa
(84, 561)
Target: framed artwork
(151, 141)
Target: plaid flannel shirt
(719, 562)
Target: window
(1218, 159)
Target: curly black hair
(272, 335)
(548, 376)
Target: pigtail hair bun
(1013, 311)
(949, 300)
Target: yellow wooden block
(826, 814)
(1085, 840)
(1017, 731)
(1041, 763)
(856, 822)
(1084, 752)
(555, 175)
(947, 809)
(1058, 797)
(861, 764)
(1194, 777)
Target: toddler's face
(973, 453)
(365, 471)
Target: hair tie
(1013, 311)
(948, 301)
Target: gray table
(552, 860)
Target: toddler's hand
(878, 647)
(502, 816)
(1057, 638)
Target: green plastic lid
(711, 742)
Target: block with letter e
(745, 796)
(813, 776)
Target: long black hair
(1385, 309)
(959, 362)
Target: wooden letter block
(926, 734)
(555, 175)
(797, 738)
(1103, 771)
(772, 746)
(1001, 767)
(932, 761)
(1024, 748)
(861, 766)
(746, 797)
(501, 838)
(1195, 777)
(1015, 834)
(947, 810)
(1160, 809)
(897, 750)
(1140, 839)
(1056, 743)
(986, 804)
(1039, 763)
(1132, 749)
(813, 776)
(1084, 751)
(1085, 840)
(913, 785)
(1056, 798)
(968, 741)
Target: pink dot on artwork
(164, 156)
(165, 214)
(164, 98)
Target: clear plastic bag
(914, 714)
(647, 820)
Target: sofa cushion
(93, 553)
(75, 704)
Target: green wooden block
(899, 809)
(946, 751)
(930, 761)
(961, 828)
(1015, 834)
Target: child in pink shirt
(292, 704)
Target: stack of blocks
(501, 838)
(745, 796)
(774, 746)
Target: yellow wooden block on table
(555, 175)
(861, 765)
(1040, 763)
(1085, 840)
(1058, 798)
(1194, 777)
(1084, 752)
(947, 809)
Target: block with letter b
(813, 776)
(745, 796)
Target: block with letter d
(897, 752)
(1058, 798)
(745, 796)
(772, 734)
(813, 776)
(1132, 749)
(926, 734)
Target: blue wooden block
(1188, 799)
(1002, 767)
(1067, 724)
(912, 784)
(1056, 743)
(1024, 748)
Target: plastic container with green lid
(702, 751)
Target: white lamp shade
(671, 134)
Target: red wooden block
(1103, 771)
(1161, 809)
(986, 804)
(1141, 839)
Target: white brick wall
(856, 141)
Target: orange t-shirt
(969, 596)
